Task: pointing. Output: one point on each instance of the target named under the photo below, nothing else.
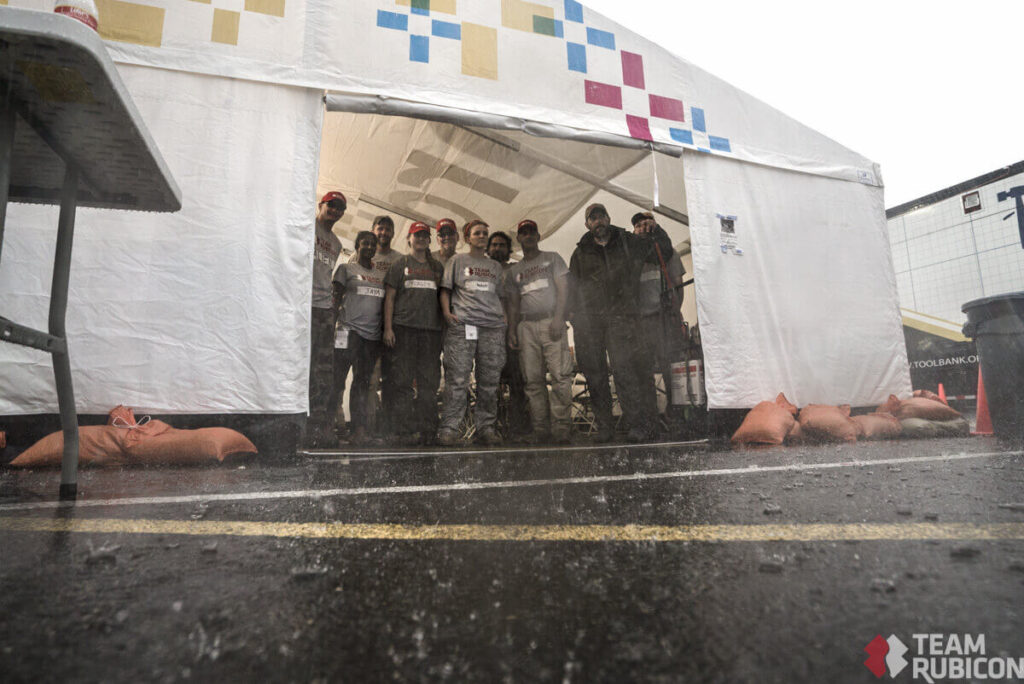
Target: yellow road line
(578, 533)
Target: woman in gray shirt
(471, 301)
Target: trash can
(997, 326)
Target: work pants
(488, 351)
(540, 354)
(415, 363)
(321, 367)
(518, 413)
(361, 356)
(618, 338)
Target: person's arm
(389, 315)
(446, 306)
(512, 312)
(561, 300)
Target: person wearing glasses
(412, 338)
(471, 301)
(326, 250)
(447, 239)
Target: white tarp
(203, 311)
(801, 297)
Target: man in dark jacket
(604, 281)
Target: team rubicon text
(945, 657)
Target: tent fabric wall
(203, 311)
(810, 307)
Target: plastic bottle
(83, 10)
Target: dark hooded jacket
(605, 280)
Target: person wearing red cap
(412, 337)
(538, 290)
(471, 301)
(327, 249)
(604, 291)
(447, 239)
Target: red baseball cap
(526, 224)
(419, 227)
(334, 195)
(447, 223)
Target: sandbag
(157, 442)
(795, 436)
(878, 426)
(767, 423)
(3, 439)
(918, 407)
(97, 445)
(122, 416)
(819, 423)
(919, 428)
(928, 394)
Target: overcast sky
(932, 91)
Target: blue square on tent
(679, 135)
(577, 57)
(419, 49)
(446, 29)
(573, 11)
(720, 144)
(601, 38)
(698, 119)
(392, 20)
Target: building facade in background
(948, 248)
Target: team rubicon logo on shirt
(947, 657)
(477, 272)
(528, 274)
(418, 272)
(369, 279)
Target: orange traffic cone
(942, 394)
(983, 426)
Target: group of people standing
(478, 315)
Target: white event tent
(499, 109)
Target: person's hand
(513, 339)
(556, 328)
(451, 318)
(389, 338)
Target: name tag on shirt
(653, 274)
(341, 339)
(538, 284)
(471, 332)
(420, 285)
(369, 291)
(479, 286)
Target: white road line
(472, 486)
(354, 456)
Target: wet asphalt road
(513, 566)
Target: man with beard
(499, 248)
(604, 285)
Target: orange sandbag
(157, 442)
(879, 426)
(3, 439)
(767, 423)
(97, 445)
(819, 423)
(928, 394)
(795, 436)
(121, 415)
(918, 407)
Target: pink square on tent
(667, 108)
(632, 69)
(604, 94)
(639, 127)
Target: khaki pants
(539, 353)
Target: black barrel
(997, 326)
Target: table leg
(61, 360)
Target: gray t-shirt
(535, 280)
(362, 301)
(475, 283)
(651, 282)
(381, 263)
(325, 253)
(416, 285)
